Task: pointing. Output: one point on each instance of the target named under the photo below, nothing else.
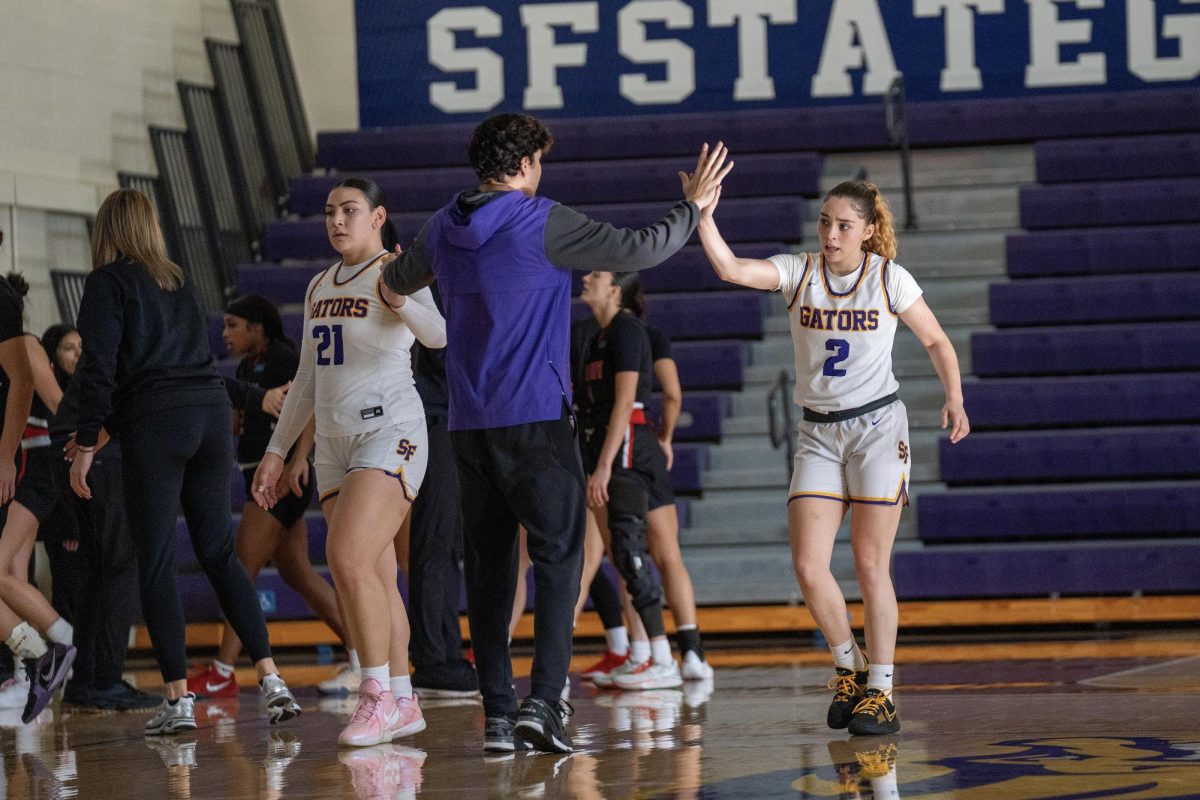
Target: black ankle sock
(689, 639)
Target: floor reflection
(754, 733)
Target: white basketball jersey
(843, 328)
(359, 348)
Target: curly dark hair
(502, 140)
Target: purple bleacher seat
(1099, 251)
(690, 462)
(1087, 400)
(1124, 510)
(279, 283)
(1019, 119)
(742, 220)
(1161, 452)
(1012, 570)
(279, 601)
(1103, 298)
(642, 136)
(710, 365)
(1118, 158)
(825, 128)
(701, 418)
(1095, 349)
(736, 314)
(578, 183)
(1095, 205)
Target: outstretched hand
(394, 299)
(701, 186)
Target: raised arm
(754, 273)
(575, 241)
(421, 313)
(406, 272)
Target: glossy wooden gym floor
(1117, 717)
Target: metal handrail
(779, 406)
(896, 109)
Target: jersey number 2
(328, 335)
(841, 351)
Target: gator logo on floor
(1016, 769)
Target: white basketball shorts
(866, 459)
(400, 450)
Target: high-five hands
(702, 186)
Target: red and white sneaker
(650, 675)
(207, 684)
(607, 663)
(374, 718)
(408, 719)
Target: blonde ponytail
(870, 204)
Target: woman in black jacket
(147, 377)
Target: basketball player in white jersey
(355, 377)
(852, 445)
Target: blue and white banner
(421, 61)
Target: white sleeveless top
(355, 372)
(843, 327)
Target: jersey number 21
(327, 336)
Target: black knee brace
(627, 509)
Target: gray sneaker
(174, 718)
(281, 705)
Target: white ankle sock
(379, 673)
(617, 640)
(223, 669)
(25, 641)
(847, 655)
(401, 686)
(354, 662)
(61, 631)
(879, 676)
(661, 650)
(639, 651)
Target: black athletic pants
(108, 592)
(182, 457)
(530, 475)
(434, 552)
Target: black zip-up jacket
(144, 350)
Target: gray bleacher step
(760, 573)
(932, 168)
(954, 208)
(775, 475)
(770, 530)
(908, 354)
(917, 392)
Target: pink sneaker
(408, 719)
(374, 717)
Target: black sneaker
(46, 674)
(453, 679)
(499, 736)
(121, 697)
(848, 687)
(875, 714)
(544, 725)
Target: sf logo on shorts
(903, 453)
(406, 449)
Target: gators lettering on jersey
(843, 327)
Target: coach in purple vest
(502, 258)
